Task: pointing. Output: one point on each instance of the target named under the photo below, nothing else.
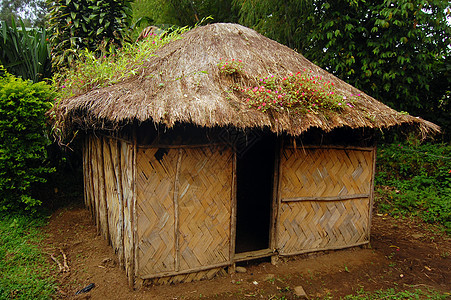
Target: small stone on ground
(240, 270)
(299, 291)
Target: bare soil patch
(404, 254)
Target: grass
(24, 269)
(392, 293)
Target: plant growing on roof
(302, 93)
(230, 67)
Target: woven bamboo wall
(108, 179)
(325, 198)
(183, 210)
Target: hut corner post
(136, 281)
(276, 201)
(370, 213)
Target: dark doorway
(255, 177)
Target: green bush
(22, 139)
(416, 180)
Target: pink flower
(339, 103)
(259, 107)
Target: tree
(32, 12)
(396, 51)
(91, 24)
(185, 12)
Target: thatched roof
(183, 84)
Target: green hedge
(22, 139)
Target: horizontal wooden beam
(253, 255)
(186, 271)
(323, 249)
(337, 147)
(334, 198)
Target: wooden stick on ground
(66, 268)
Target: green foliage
(93, 71)
(25, 52)
(416, 180)
(92, 24)
(183, 13)
(282, 20)
(394, 51)
(24, 270)
(22, 140)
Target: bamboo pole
(176, 212)
(117, 173)
(186, 271)
(134, 217)
(324, 249)
(336, 147)
(278, 200)
(275, 192)
(370, 213)
(106, 230)
(233, 199)
(331, 198)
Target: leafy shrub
(416, 180)
(90, 24)
(25, 52)
(22, 139)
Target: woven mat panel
(110, 161)
(201, 275)
(126, 157)
(310, 225)
(204, 191)
(155, 210)
(325, 172)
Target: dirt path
(403, 255)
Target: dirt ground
(404, 254)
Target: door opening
(255, 180)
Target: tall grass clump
(25, 52)
(94, 71)
(415, 180)
(24, 269)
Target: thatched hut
(185, 178)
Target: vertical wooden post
(278, 199)
(233, 199)
(371, 200)
(274, 204)
(117, 170)
(103, 186)
(176, 211)
(84, 150)
(135, 273)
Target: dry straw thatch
(183, 84)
